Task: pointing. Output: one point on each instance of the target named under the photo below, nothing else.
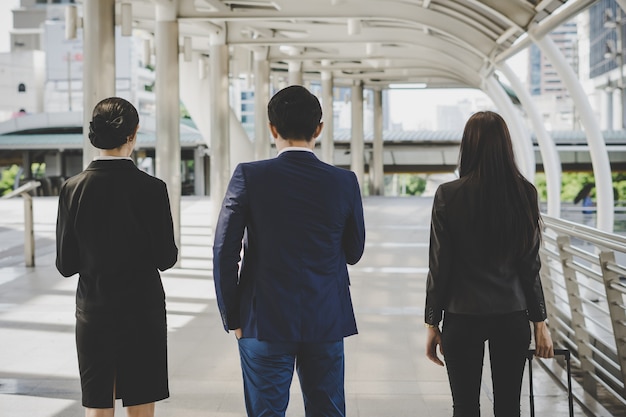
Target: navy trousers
(463, 341)
(268, 367)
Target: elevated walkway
(387, 373)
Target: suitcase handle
(557, 352)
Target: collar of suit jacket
(294, 148)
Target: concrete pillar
(27, 163)
(167, 92)
(295, 72)
(549, 154)
(199, 185)
(328, 137)
(241, 148)
(262, 142)
(357, 141)
(377, 167)
(522, 145)
(98, 63)
(220, 127)
(595, 140)
(39, 63)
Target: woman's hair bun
(113, 121)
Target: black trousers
(463, 343)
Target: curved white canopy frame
(549, 154)
(597, 147)
(522, 145)
(443, 43)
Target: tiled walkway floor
(387, 373)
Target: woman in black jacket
(114, 228)
(484, 271)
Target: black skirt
(122, 354)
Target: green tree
(415, 185)
(7, 179)
(573, 182)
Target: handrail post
(615, 301)
(29, 232)
(548, 289)
(578, 317)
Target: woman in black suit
(484, 271)
(114, 228)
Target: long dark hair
(506, 214)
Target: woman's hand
(433, 339)
(238, 333)
(543, 341)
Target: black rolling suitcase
(557, 352)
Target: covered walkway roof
(442, 43)
(366, 44)
(362, 43)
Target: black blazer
(303, 222)
(463, 282)
(114, 228)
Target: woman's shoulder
(147, 182)
(453, 185)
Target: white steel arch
(549, 154)
(597, 147)
(443, 43)
(521, 142)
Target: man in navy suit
(301, 223)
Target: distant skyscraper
(543, 77)
(606, 33)
(545, 84)
(603, 37)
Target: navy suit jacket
(301, 223)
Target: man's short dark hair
(295, 113)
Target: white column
(328, 139)
(597, 147)
(220, 127)
(549, 154)
(262, 144)
(241, 147)
(357, 140)
(377, 166)
(194, 90)
(522, 145)
(98, 63)
(295, 72)
(199, 175)
(167, 93)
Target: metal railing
(584, 279)
(29, 233)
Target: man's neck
(293, 143)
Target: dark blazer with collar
(460, 279)
(301, 222)
(114, 228)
